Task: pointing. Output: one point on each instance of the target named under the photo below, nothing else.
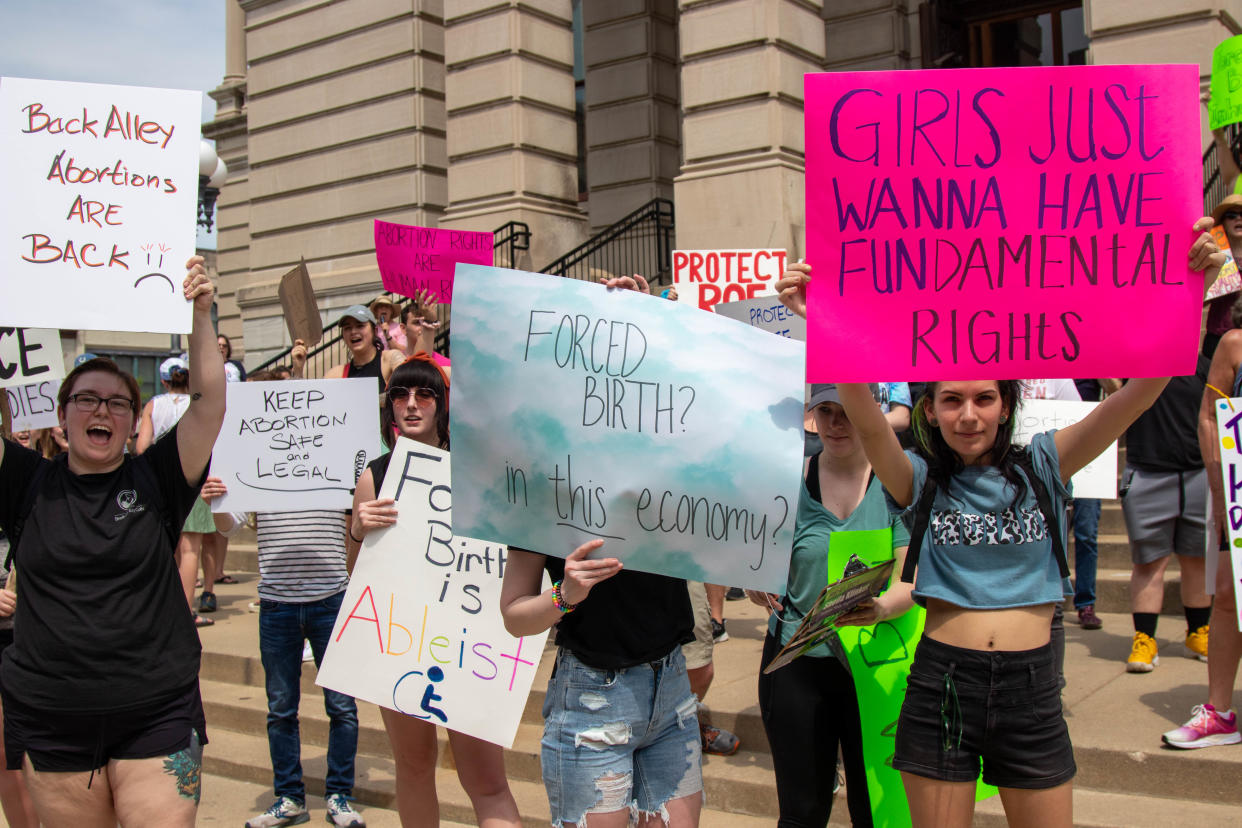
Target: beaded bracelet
(558, 599)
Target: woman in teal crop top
(984, 686)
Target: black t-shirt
(631, 618)
(371, 369)
(1166, 437)
(103, 618)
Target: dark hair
(104, 366)
(943, 462)
(265, 375)
(412, 308)
(1235, 312)
(178, 379)
(228, 346)
(418, 372)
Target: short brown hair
(102, 365)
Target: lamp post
(211, 175)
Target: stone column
(741, 180)
(512, 137)
(633, 129)
(872, 35)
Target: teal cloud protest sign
(580, 412)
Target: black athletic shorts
(1003, 709)
(74, 742)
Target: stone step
(1112, 591)
(230, 802)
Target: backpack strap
(1044, 500)
(32, 491)
(922, 514)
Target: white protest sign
(420, 629)
(705, 277)
(1099, 477)
(767, 314)
(295, 445)
(30, 355)
(100, 191)
(34, 405)
(1229, 432)
(581, 412)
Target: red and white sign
(711, 276)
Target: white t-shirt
(1050, 389)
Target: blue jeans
(282, 627)
(1086, 549)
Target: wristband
(350, 530)
(558, 599)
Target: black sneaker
(207, 602)
(718, 632)
(735, 594)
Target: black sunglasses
(422, 396)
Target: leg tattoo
(186, 767)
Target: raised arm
(879, 441)
(200, 425)
(1225, 363)
(146, 429)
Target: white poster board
(420, 629)
(30, 355)
(706, 277)
(295, 445)
(767, 314)
(34, 405)
(100, 189)
(1099, 477)
(1229, 432)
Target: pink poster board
(996, 223)
(413, 259)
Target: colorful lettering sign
(29, 355)
(1228, 280)
(1225, 107)
(1002, 222)
(414, 259)
(583, 412)
(34, 405)
(1229, 432)
(295, 445)
(420, 629)
(100, 204)
(1099, 477)
(767, 314)
(705, 277)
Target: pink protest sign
(413, 259)
(994, 223)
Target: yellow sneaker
(1143, 658)
(1196, 643)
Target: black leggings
(808, 708)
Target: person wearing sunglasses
(416, 407)
(100, 689)
(1228, 216)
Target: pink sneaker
(1206, 728)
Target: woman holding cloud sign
(101, 696)
(416, 407)
(984, 685)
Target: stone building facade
(569, 114)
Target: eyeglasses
(89, 403)
(422, 396)
(1230, 215)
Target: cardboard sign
(33, 406)
(413, 259)
(1229, 432)
(101, 188)
(581, 412)
(420, 629)
(297, 299)
(705, 277)
(295, 445)
(29, 355)
(767, 314)
(1099, 477)
(993, 223)
(1225, 107)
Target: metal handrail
(641, 242)
(1213, 183)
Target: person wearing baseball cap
(367, 357)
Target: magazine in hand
(861, 583)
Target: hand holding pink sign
(413, 259)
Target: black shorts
(1003, 709)
(77, 742)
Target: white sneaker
(307, 653)
(341, 813)
(284, 811)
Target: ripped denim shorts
(617, 739)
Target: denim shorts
(1003, 709)
(617, 739)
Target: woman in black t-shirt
(101, 701)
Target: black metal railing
(1213, 182)
(642, 242)
(507, 240)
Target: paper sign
(413, 259)
(705, 277)
(101, 188)
(1229, 432)
(1099, 477)
(993, 223)
(420, 629)
(1225, 107)
(767, 314)
(297, 299)
(29, 355)
(581, 412)
(1228, 279)
(295, 445)
(34, 405)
